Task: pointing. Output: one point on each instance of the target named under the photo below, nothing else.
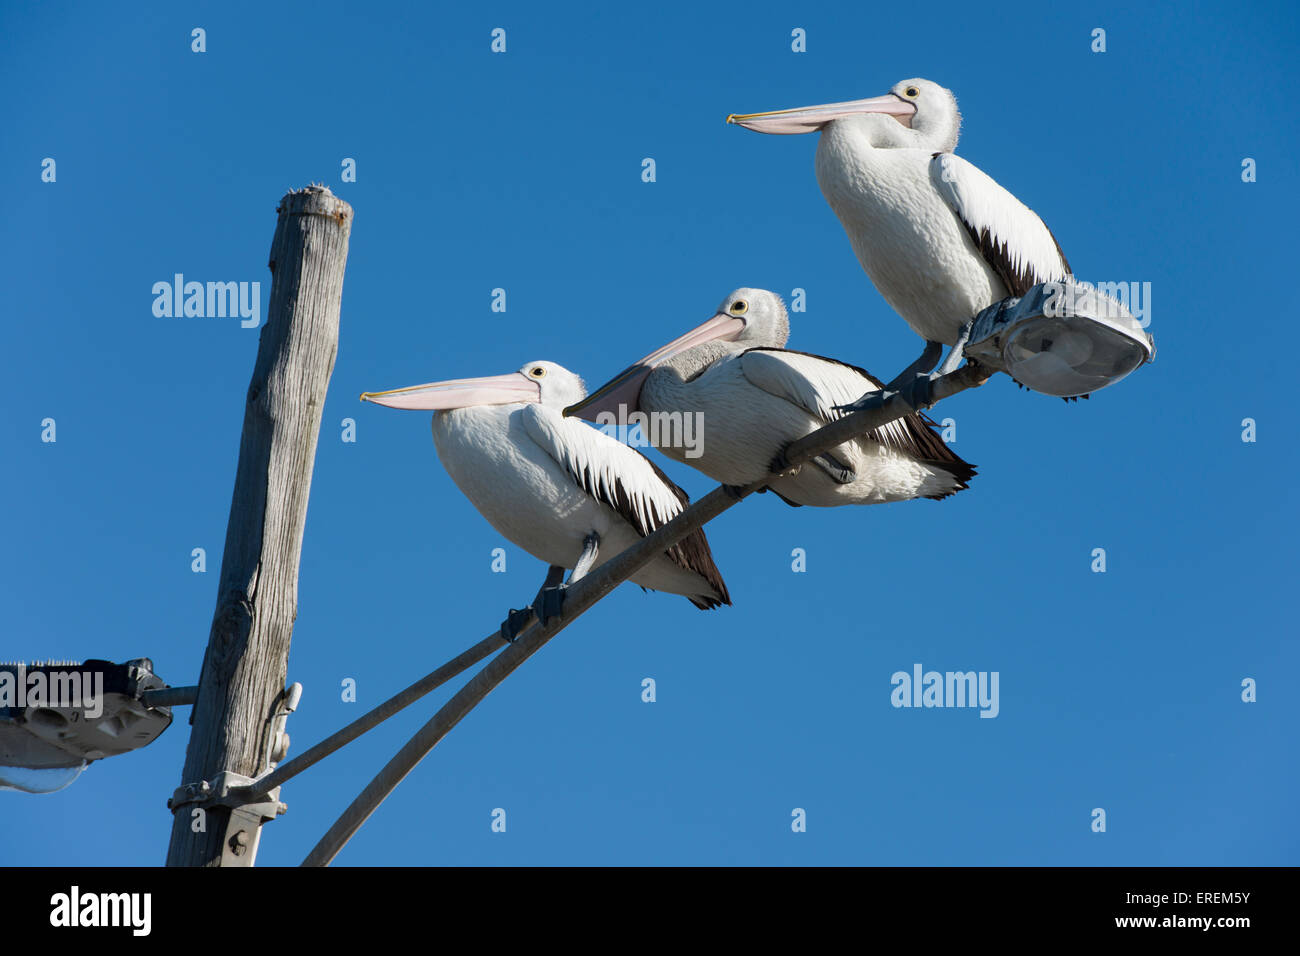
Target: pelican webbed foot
(827, 462)
(550, 602)
(841, 474)
(918, 393)
(545, 604)
(514, 623)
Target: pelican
(939, 238)
(565, 493)
(755, 397)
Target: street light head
(55, 718)
(1061, 338)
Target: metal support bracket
(248, 808)
(249, 804)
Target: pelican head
(916, 113)
(765, 321)
(542, 382)
(745, 319)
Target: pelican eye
(912, 91)
(537, 372)
(739, 307)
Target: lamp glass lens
(1068, 356)
(33, 780)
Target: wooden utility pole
(244, 669)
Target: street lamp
(55, 718)
(1061, 338)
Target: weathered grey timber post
(244, 669)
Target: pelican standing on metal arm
(940, 240)
(564, 492)
(754, 398)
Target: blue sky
(1119, 690)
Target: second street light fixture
(56, 718)
(1061, 338)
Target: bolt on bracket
(249, 809)
(250, 805)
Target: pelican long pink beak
(625, 388)
(460, 393)
(808, 119)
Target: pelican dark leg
(550, 599)
(923, 365)
(843, 474)
(915, 383)
(956, 353)
(516, 621)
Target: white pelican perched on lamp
(565, 493)
(940, 239)
(755, 398)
